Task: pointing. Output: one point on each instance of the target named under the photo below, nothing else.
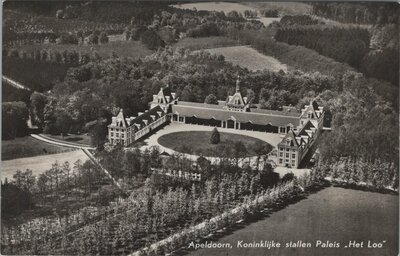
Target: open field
(268, 20)
(39, 164)
(198, 142)
(334, 214)
(215, 6)
(28, 147)
(284, 8)
(205, 42)
(121, 48)
(249, 58)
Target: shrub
(215, 137)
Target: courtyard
(198, 143)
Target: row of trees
(376, 175)
(61, 180)
(148, 216)
(66, 57)
(302, 20)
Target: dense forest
(359, 13)
(348, 45)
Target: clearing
(28, 147)
(205, 42)
(247, 57)
(39, 164)
(283, 8)
(215, 6)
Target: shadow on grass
(365, 188)
(73, 139)
(258, 216)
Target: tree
(14, 199)
(103, 38)
(14, 117)
(38, 102)
(63, 122)
(215, 137)
(152, 40)
(59, 14)
(211, 99)
(97, 131)
(93, 38)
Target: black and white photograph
(200, 128)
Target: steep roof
(216, 112)
(291, 137)
(121, 118)
(164, 93)
(147, 116)
(307, 126)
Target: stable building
(299, 129)
(126, 130)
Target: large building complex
(299, 129)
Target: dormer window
(288, 142)
(309, 115)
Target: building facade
(299, 129)
(125, 131)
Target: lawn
(83, 139)
(247, 57)
(334, 214)
(39, 164)
(284, 8)
(198, 142)
(205, 42)
(28, 147)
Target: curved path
(46, 139)
(15, 83)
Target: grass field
(284, 8)
(215, 6)
(39, 164)
(205, 42)
(28, 147)
(198, 142)
(83, 139)
(249, 58)
(334, 214)
(132, 49)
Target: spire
(237, 84)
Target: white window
(282, 129)
(293, 155)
